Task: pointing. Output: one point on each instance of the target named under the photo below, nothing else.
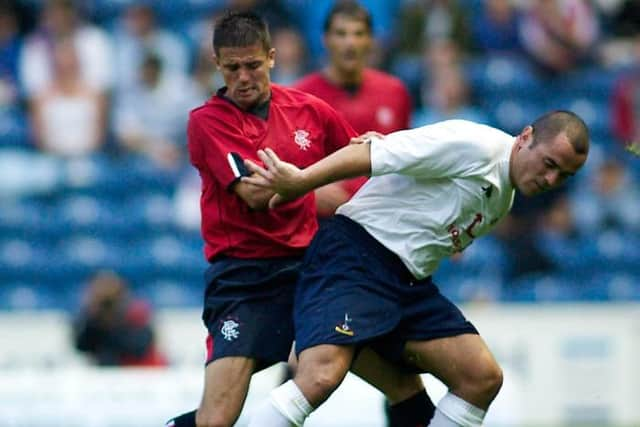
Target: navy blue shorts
(354, 291)
(248, 308)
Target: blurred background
(100, 253)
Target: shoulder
(284, 94)
(383, 79)
(289, 96)
(213, 110)
(310, 81)
(487, 142)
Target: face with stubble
(246, 73)
(539, 166)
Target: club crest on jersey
(230, 329)
(345, 327)
(301, 137)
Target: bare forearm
(290, 182)
(348, 162)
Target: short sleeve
(445, 149)
(210, 143)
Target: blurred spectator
(59, 20)
(275, 12)
(139, 33)
(186, 201)
(204, 74)
(519, 231)
(626, 22)
(446, 96)
(12, 119)
(151, 117)
(10, 44)
(559, 35)
(609, 200)
(421, 24)
(496, 28)
(113, 328)
(625, 112)
(423, 21)
(291, 59)
(441, 54)
(558, 220)
(68, 116)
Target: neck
(342, 78)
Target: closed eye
(551, 164)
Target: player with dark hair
(366, 277)
(369, 99)
(255, 252)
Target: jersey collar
(260, 110)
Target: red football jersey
(381, 103)
(301, 129)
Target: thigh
(225, 389)
(427, 315)
(453, 360)
(343, 295)
(248, 310)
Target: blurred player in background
(433, 190)
(369, 99)
(255, 252)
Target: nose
(552, 178)
(244, 74)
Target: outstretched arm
(290, 182)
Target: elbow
(258, 201)
(258, 205)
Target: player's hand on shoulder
(366, 137)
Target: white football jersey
(434, 189)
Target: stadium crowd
(95, 95)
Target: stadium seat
(464, 287)
(99, 217)
(27, 296)
(167, 293)
(541, 288)
(502, 76)
(512, 114)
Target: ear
(216, 61)
(271, 56)
(526, 136)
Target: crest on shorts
(301, 137)
(345, 327)
(230, 329)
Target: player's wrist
(306, 182)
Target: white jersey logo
(384, 116)
(301, 137)
(230, 330)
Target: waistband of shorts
(386, 256)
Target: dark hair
(350, 8)
(546, 127)
(240, 29)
